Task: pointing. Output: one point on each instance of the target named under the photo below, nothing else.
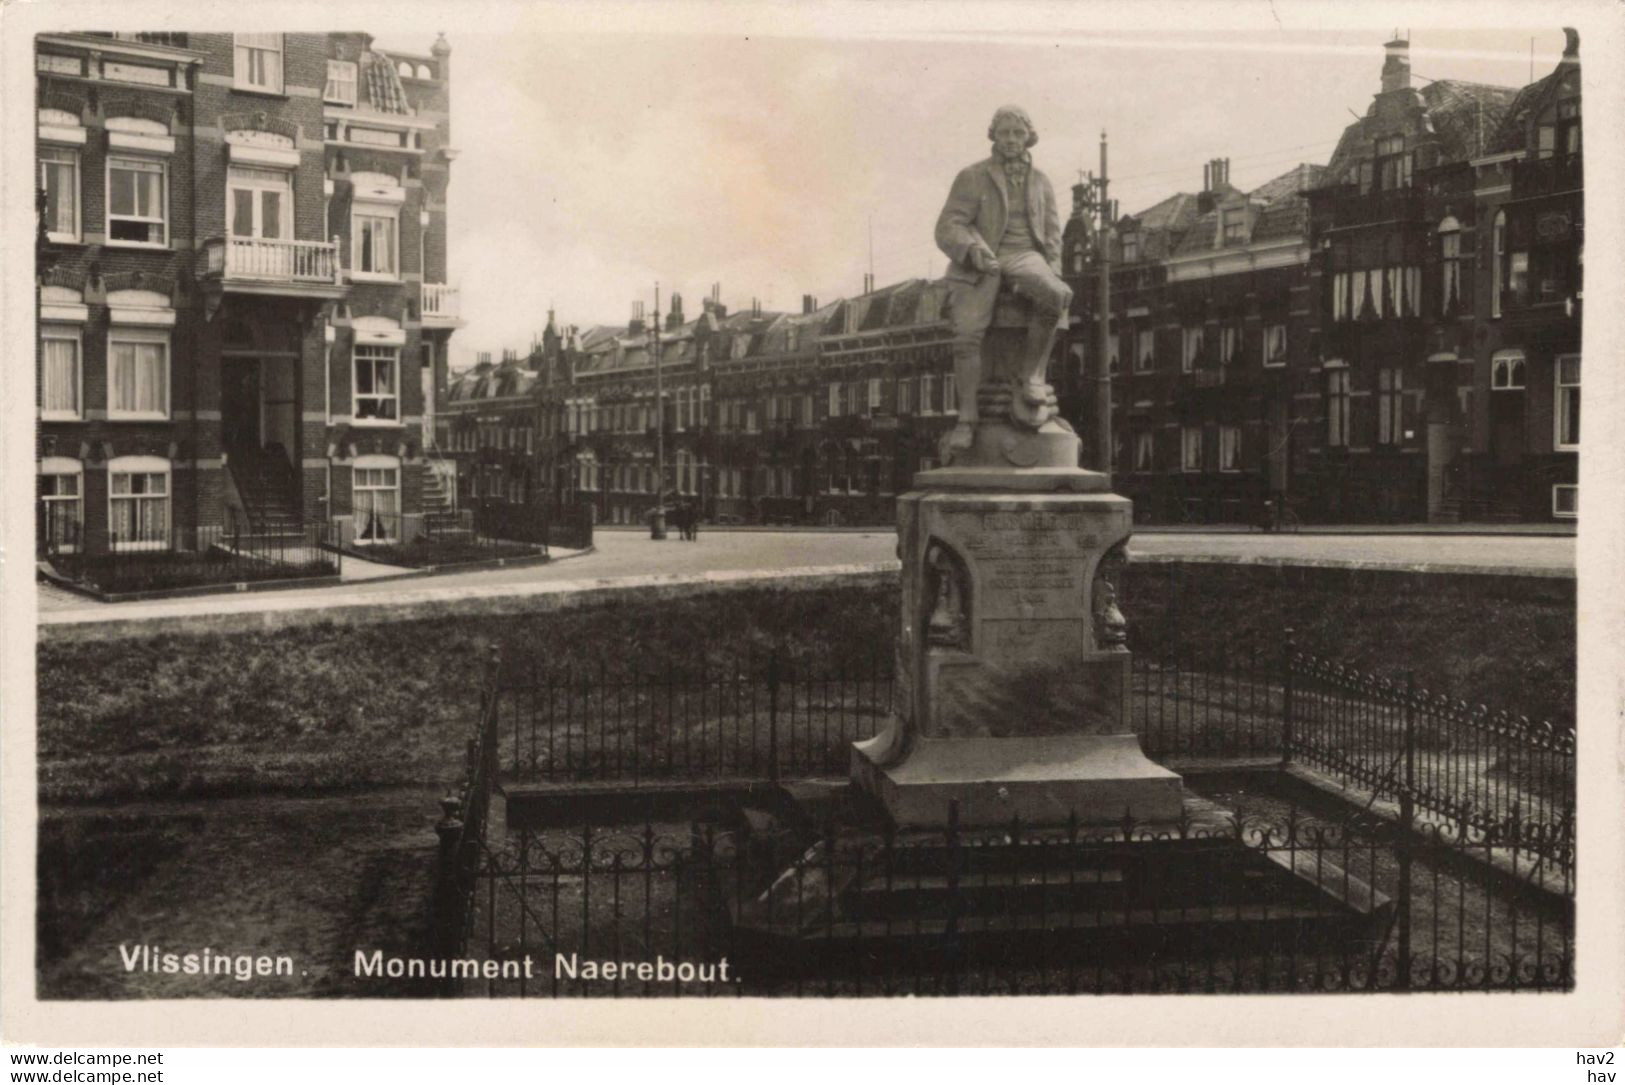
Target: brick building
(242, 301)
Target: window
(1337, 408)
(1506, 371)
(373, 234)
(874, 394)
(1362, 301)
(1192, 352)
(1568, 126)
(1229, 448)
(137, 373)
(137, 201)
(1230, 345)
(1235, 226)
(1131, 248)
(258, 62)
(835, 400)
(61, 372)
(1498, 235)
(928, 394)
(1568, 401)
(1413, 291)
(259, 202)
(950, 394)
(138, 503)
(340, 88)
(1145, 351)
(1340, 296)
(1518, 277)
(59, 180)
(1393, 164)
(1144, 449)
(377, 392)
(61, 491)
(1449, 267)
(1566, 501)
(1191, 448)
(1390, 406)
(1275, 344)
(375, 496)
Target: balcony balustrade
(265, 264)
(442, 305)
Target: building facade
(242, 297)
(1391, 337)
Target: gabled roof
(1461, 115)
(1512, 133)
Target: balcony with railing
(271, 265)
(442, 306)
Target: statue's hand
(984, 261)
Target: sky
(594, 165)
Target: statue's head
(1009, 117)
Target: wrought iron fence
(1489, 772)
(443, 538)
(1432, 895)
(160, 557)
(775, 717)
(1272, 901)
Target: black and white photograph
(538, 505)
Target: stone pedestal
(1012, 686)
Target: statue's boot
(957, 440)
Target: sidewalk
(1555, 530)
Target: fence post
(950, 934)
(449, 900)
(1287, 708)
(773, 715)
(1407, 826)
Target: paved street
(621, 554)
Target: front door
(241, 417)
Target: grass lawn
(313, 879)
(341, 707)
(119, 573)
(423, 551)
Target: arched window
(1507, 371)
(1449, 266)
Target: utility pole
(657, 523)
(1103, 315)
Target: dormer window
(1131, 247)
(1235, 226)
(1393, 165)
(340, 88)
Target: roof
(1465, 115)
(1461, 115)
(1281, 211)
(1512, 133)
(1163, 224)
(384, 91)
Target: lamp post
(1103, 341)
(657, 522)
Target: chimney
(716, 293)
(1571, 45)
(635, 324)
(755, 306)
(1080, 200)
(675, 318)
(483, 359)
(809, 304)
(1396, 65)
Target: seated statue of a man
(1000, 222)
